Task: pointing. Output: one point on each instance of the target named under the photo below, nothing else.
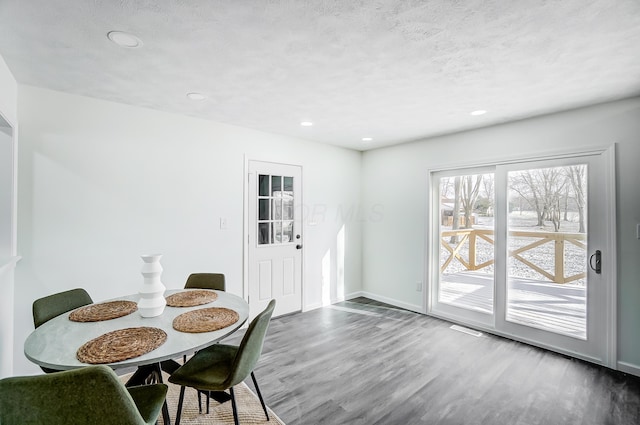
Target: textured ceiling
(393, 70)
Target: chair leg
(233, 405)
(255, 383)
(200, 401)
(180, 401)
(165, 414)
(157, 378)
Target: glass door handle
(597, 256)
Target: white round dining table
(54, 344)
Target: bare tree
(553, 211)
(526, 187)
(488, 186)
(469, 196)
(577, 176)
(457, 182)
(566, 204)
(541, 189)
(445, 187)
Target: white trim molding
(9, 263)
(629, 368)
(7, 266)
(309, 307)
(610, 200)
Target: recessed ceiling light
(124, 39)
(479, 112)
(367, 139)
(196, 96)
(306, 123)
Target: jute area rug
(249, 408)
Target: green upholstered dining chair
(88, 395)
(46, 308)
(206, 281)
(220, 367)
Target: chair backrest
(88, 395)
(45, 309)
(251, 346)
(206, 281)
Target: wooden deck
(544, 305)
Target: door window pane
(276, 185)
(263, 210)
(263, 233)
(263, 185)
(287, 231)
(277, 209)
(276, 232)
(287, 208)
(547, 244)
(467, 242)
(288, 184)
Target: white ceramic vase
(152, 300)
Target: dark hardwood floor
(361, 362)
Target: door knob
(299, 246)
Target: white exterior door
(274, 237)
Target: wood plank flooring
(361, 362)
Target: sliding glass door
(547, 244)
(466, 227)
(517, 249)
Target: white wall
(101, 183)
(395, 181)
(8, 127)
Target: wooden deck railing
(471, 236)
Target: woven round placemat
(103, 311)
(121, 345)
(191, 298)
(205, 320)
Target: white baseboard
(310, 307)
(353, 295)
(382, 299)
(629, 368)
